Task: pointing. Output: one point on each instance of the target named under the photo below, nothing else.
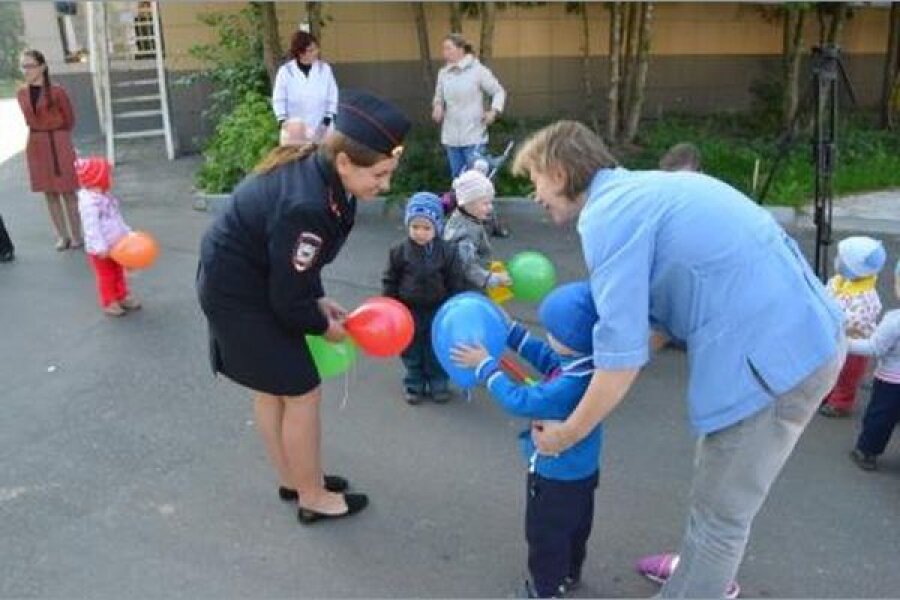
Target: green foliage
(11, 43)
(868, 158)
(234, 63)
(242, 138)
(730, 145)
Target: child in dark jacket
(423, 270)
(560, 501)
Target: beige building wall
(360, 32)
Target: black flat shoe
(355, 503)
(333, 483)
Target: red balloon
(381, 326)
(137, 250)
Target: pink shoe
(659, 567)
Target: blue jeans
(733, 471)
(461, 158)
(882, 415)
(424, 374)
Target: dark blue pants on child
(882, 415)
(558, 520)
(424, 374)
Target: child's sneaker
(866, 462)
(659, 567)
(441, 397)
(827, 410)
(413, 398)
(131, 303)
(114, 309)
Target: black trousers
(882, 415)
(6, 244)
(558, 521)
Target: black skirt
(253, 349)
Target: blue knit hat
(425, 205)
(860, 256)
(568, 314)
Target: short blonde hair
(570, 146)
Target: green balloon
(331, 358)
(533, 276)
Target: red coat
(50, 155)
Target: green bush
(730, 146)
(11, 43)
(241, 139)
(868, 158)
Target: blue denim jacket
(691, 256)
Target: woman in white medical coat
(305, 87)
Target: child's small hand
(468, 356)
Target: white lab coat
(311, 99)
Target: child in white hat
(858, 263)
(465, 229)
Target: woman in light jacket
(459, 103)
(305, 87)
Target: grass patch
(8, 88)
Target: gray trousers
(733, 472)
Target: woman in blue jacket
(693, 260)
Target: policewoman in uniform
(259, 285)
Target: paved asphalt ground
(128, 471)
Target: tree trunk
(616, 20)
(629, 53)
(314, 17)
(455, 18)
(839, 15)
(488, 19)
(891, 76)
(587, 84)
(793, 46)
(424, 48)
(272, 52)
(641, 59)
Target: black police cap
(371, 121)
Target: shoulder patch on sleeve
(306, 250)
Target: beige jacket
(460, 90)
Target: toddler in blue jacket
(560, 501)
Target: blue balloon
(467, 318)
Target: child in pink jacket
(103, 228)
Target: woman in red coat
(50, 155)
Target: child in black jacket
(423, 270)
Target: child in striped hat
(103, 228)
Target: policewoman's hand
(332, 309)
(335, 332)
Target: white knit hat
(860, 256)
(471, 186)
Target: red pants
(843, 395)
(111, 284)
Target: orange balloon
(137, 250)
(381, 326)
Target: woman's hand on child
(469, 356)
(332, 309)
(550, 437)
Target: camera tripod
(821, 99)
